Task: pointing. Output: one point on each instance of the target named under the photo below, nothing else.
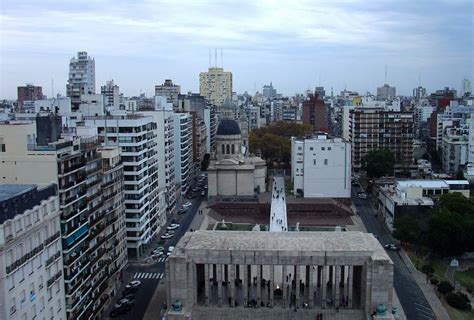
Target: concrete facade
(219, 274)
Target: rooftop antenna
(419, 79)
(222, 59)
(210, 63)
(52, 88)
(385, 74)
(215, 57)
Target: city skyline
(297, 46)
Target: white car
(170, 250)
(187, 205)
(133, 284)
(363, 195)
(173, 226)
(167, 236)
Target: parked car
(203, 193)
(182, 210)
(120, 310)
(158, 249)
(363, 195)
(170, 250)
(167, 236)
(173, 226)
(392, 247)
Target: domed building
(231, 171)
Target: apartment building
(216, 86)
(315, 113)
(31, 277)
(377, 128)
(454, 149)
(145, 205)
(386, 92)
(28, 92)
(321, 167)
(183, 148)
(169, 90)
(81, 78)
(111, 92)
(75, 165)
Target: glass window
(325, 162)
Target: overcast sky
(296, 44)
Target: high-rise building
(386, 92)
(320, 92)
(455, 149)
(377, 128)
(321, 167)
(419, 93)
(145, 206)
(315, 113)
(81, 78)
(32, 281)
(28, 92)
(169, 90)
(183, 147)
(216, 86)
(91, 210)
(269, 91)
(111, 92)
(466, 87)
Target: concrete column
(259, 284)
(245, 285)
(284, 286)
(297, 286)
(323, 287)
(272, 284)
(349, 286)
(232, 284)
(337, 280)
(311, 284)
(206, 284)
(219, 285)
(193, 270)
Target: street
(411, 297)
(151, 274)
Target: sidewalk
(427, 288)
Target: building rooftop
(430, 183)
(228, 127)
(293, 242)
(17, 198)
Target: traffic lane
(409, 293)
(142, 299)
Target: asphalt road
(411, 297)
(151, 274)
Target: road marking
(423, 306)
(135, 275)
(157, 275)
(139, 275)
(424, 315)
(161, 277)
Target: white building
(31, 276)
(111, 92)
(81, 78)
(183, 148)
(169, 90)
(415, 197)
(321, 167)
(386, 92)
(92, 104)
(61, 104)
(145, 205)
(454, 149)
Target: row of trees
(273, 141)
(448, 231)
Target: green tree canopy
(378, 163)
(407, 229)
(274, 141)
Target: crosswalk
(148, 275)
(162, 259)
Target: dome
(228, 127)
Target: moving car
(170, 250)
(363, 195)
(158, 250)
(203, 193)
(167, 236)
(173, 226)
(133, 284)
(392, 247)
(187, 204)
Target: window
(22, 298)
(40, 283)
(314, 162)
(227, 149)
(12, 306)
(311, 148)
(329, 148)
(233, 149)
(223, 149)
(300, 148)
(10, 282)
(323, 148)
(325, 162)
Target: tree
(378, 163)
(274, 142)
(407, 229)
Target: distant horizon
(297, 45)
